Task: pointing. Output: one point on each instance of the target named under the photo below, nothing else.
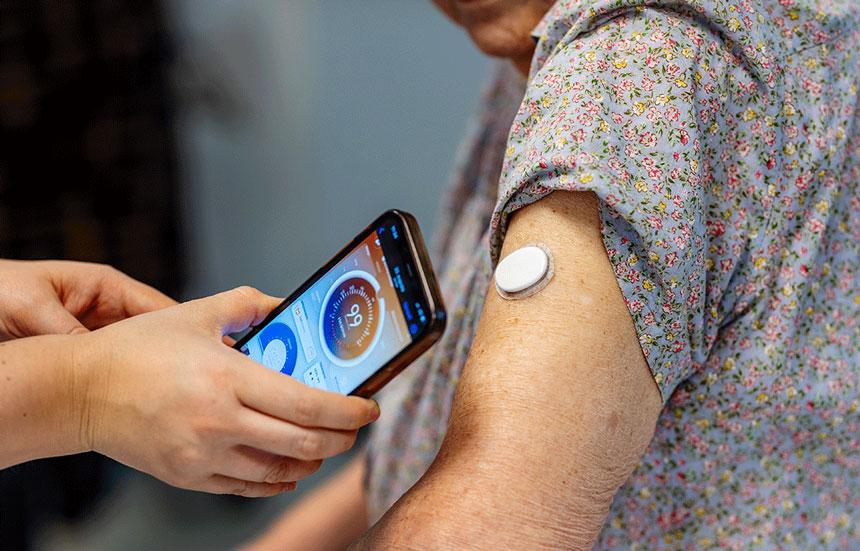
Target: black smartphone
(360, 319)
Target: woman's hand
(161, 393)
(61, 297)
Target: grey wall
(315, 116)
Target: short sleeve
(634, 110)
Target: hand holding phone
(361, 318)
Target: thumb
(234, 310)
(51, 319)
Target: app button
(280, 350)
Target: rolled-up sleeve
(629, 110)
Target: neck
(522, 65)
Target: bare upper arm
(555, 407)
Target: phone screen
(347, 324)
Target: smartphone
(360, 319)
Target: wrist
(84, 370)
(41, 397)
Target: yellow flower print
(680, 82)
(585, 177)
(788, 110)
(734, 24)
(638, 107)
(590, 55)
(619, 63)
(662, 99)
(822, 206)
(647, 284)
(749, 114)
(844, 519)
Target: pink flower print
(672, 114)
(648, 139)
(815, 225)
(647, 84)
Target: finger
(138, 297)
(219, 484)
(286, 398)
(49, 319)
(255, 465)
(234, 310)
(280, 438)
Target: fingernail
(375, 412)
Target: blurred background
(199, 145)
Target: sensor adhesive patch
(524, 272)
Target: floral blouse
(722, 139)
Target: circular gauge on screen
(352, 318)
(280, 350)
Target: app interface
(350, 322)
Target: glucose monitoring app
(345, 326)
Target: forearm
(489, 493)
(435, 516)
(40, 399)
(331, 517)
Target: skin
(499, 28)
(61, 297)
(583, 387)
(160, 391)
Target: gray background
(300, 122)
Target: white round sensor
(523, 269)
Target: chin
(497, 41)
